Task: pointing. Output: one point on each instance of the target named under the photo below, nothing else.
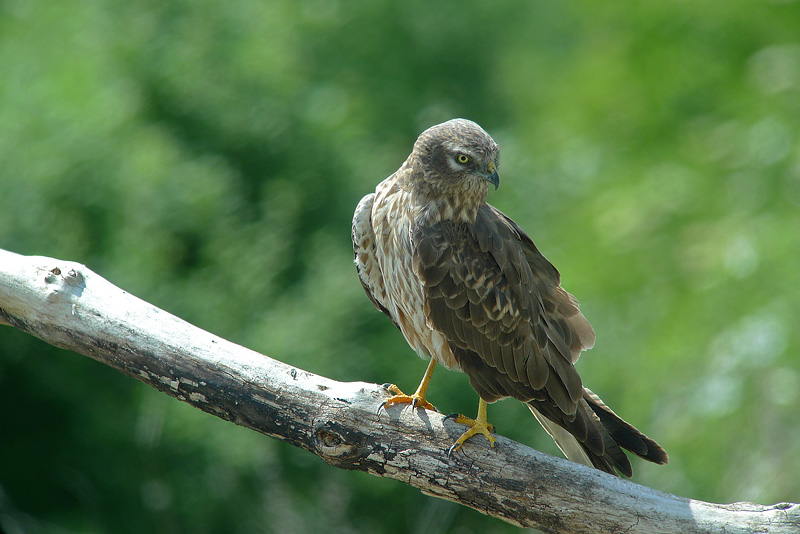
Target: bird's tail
(596, 435)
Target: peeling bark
(69, 306)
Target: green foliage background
(207, 156)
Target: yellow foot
(415, 400)
(475, 427)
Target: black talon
(451, 416)
(452, 449)
(386, 386)
(382, 406)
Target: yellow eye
(463, 159)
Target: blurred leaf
(207, 157)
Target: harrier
(469, 289)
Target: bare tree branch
(69, 306)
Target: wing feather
(367, 267)
(516, 333)
(486, 287)
(536, 369)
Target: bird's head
(453, 164)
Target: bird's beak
(493, 177)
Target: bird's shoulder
(493, 243)
(480, 266)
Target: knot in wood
(331, 441)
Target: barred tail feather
(624, 433)
(595, 436)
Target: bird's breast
(392, 221)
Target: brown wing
(498, 301)
(367, 267)
(515, 332)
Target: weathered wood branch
(69, 306)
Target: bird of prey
(469, 289)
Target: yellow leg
(418, 398)
(479, 425)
